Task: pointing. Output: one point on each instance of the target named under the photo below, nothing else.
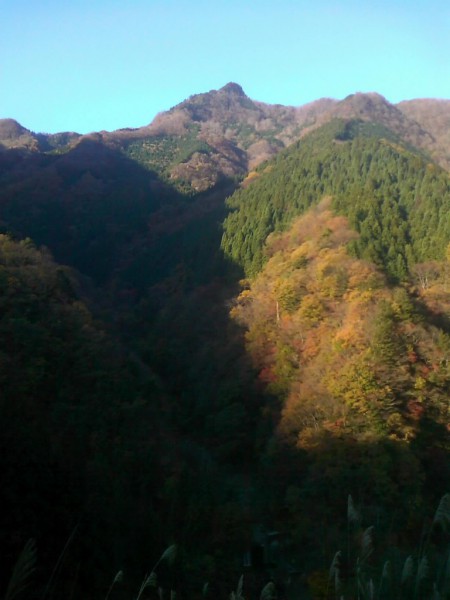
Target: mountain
(344, 238)
(372, 178)
(88, 200)
(434, 117)
(14, 136)
(228, 330)
(375, 108)
(208, 138)
(222, 134)
(216, 135)
(345, 206)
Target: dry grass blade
(442, 514)
(59, 562)
(386, 578)
(436, 595)
(446, 577)
(422, 573)
(367, 543)
(117, 579)
(386, 574)
(408, 571)
(360, 582)
(423, 569)
(169, 554)
(23, 568)
(142, 588)
(371, 590)
(335, 565)
(149, 581)
(237, 595)
(268, 592)
(205, 590)
(352, 513)
(240, 587)
(337, 582)
(335, 571)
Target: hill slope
(395, 199)
(345, 314)
(434, 117)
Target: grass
(424, 575)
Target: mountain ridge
(223, 134)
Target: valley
(228, 330)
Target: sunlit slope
(360, 366)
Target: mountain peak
(11, 129)
(365, 100)
(233, 88)
(369, 106)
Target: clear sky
(88, 65)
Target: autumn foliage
(354, 360)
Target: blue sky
(88, 65)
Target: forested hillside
(87, 202)
(395, 199)
(250, 384)
(102, 452)
(346, 316)
(353, 357)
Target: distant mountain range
(223, 134)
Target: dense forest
(225, 364)
(373, 180)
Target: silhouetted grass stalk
(151, 580)
(117, 579)
(59, 561)
(24, 567)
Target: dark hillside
(69, 396)
(88, 202)
(159, 426)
